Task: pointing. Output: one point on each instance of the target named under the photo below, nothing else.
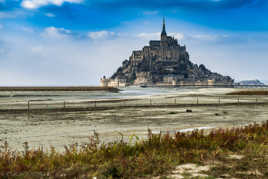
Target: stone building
(163, 62)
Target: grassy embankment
(249, 92)
(59, 88)
(157, 156)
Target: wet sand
(132, 116)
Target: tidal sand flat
(129, 112)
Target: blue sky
(75, 42)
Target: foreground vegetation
(249, 92)
(157, 156)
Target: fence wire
(30, 105)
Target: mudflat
(61, 125)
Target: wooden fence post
(175, 101)
(28, 110)
(238, 100)
(95, 103)
(219, 100)
(64, 104)
(150, 100)
(197, 101)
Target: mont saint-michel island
(72, 107)
(164, 62)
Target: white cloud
(13, 14)
(33, 4)
(7, 15)
(178, 36)
(150, 12)
(38, 61)
(50, 15)
(150, 36)
(100, 34)
(56, 33)
(27, 29)
(37, 49)
(205, 36)
(2, 51)
(208, 37)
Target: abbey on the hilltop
(163, 62)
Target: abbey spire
(163, 33)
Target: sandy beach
(131, 112)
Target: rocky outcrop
(163, 62)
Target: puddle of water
(183, 130)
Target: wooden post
(175, 101)
(219, 100)
(150, 100)
(197, 101)
(64, 104)
(238, 100)
(28, 110)
(256, 100)
(95, 104)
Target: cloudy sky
(75, 42)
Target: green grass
(157, 156)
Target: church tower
(163, 33)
